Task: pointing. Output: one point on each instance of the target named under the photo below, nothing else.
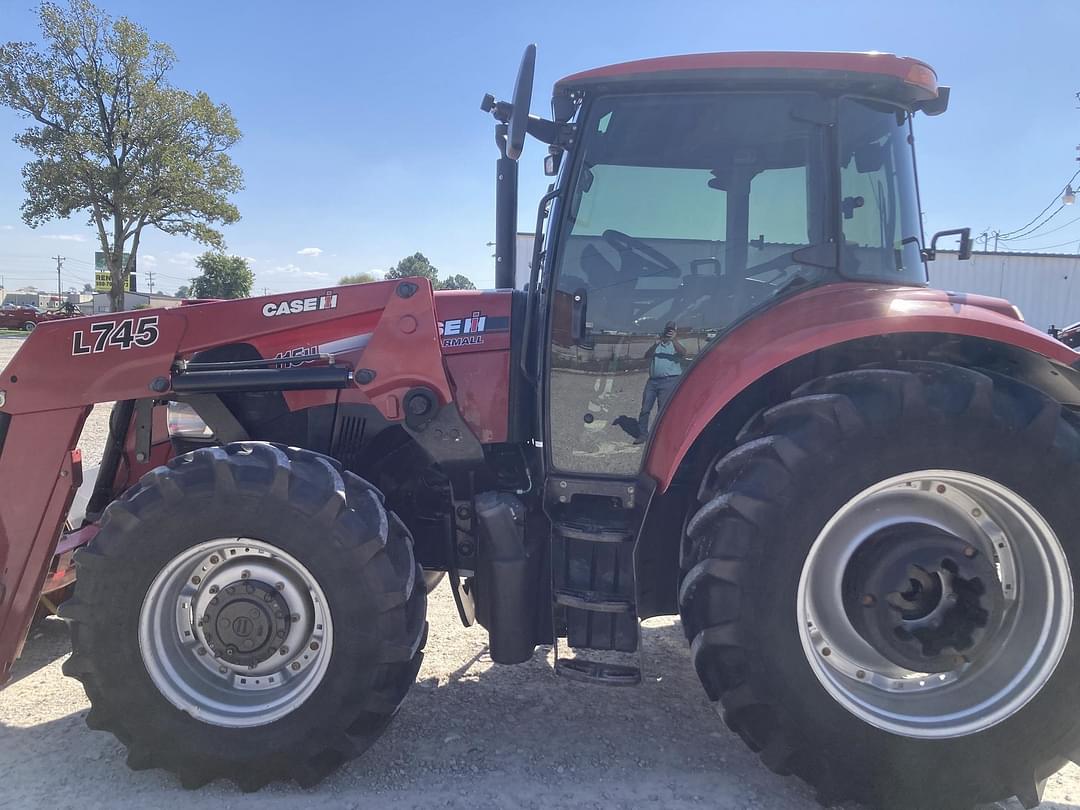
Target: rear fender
(829, 316)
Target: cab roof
(901, 77)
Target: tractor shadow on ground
(471, 734)
(47, 641)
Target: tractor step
(591, 600)
(593, 532)
(599, 672)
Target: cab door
(684, 212)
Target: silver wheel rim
(219, 683)
(1035, 616)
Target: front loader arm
(65, 367)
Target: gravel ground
(472, 734)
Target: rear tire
(764, 507)
(29, 326)
(345, 565)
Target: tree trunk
(116, 265)
(116, 291)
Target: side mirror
(552, 161)
(930, 253)
(519, 118)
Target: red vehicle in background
(26, 317)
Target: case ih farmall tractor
(860, 494)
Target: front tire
(29, 326)
(802, 624)
(249, 612)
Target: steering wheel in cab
(652, 261)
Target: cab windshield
(693, 208)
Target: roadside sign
(102, 278)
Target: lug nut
(295, 666)
(214, 560)
(223, 670)
(245, 574)
(280, 586)
(284, 650)
(230, 650)
(213, 589)
(314, 645)
(196, 580)
(294, 617)
(201, 651)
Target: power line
(1030, 231)
(1075, 241)
(1044, 233)
(1049, 205)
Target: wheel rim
(29, 326)
(984, 602)
(236, 632)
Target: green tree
(183, 291)
(222, 276)
(418, 265)
(113, 138)
(457, 282)
(358, 278)
(415, 265)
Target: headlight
(184, 423)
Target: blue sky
(363, 139)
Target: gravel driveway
(471, 734)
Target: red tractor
(859, 493)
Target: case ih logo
(327, 300)
(463, 331)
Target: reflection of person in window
(665, 367)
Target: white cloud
(312, 251)
(183, 257)
(250, 259)
(292, 270)
(65, 237)
(147, 260)
(7, 227)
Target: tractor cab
(693, 192)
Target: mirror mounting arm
(930, 253)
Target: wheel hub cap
(924, 598)
(245, 621)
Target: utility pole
(59, 286)
(150, 279)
